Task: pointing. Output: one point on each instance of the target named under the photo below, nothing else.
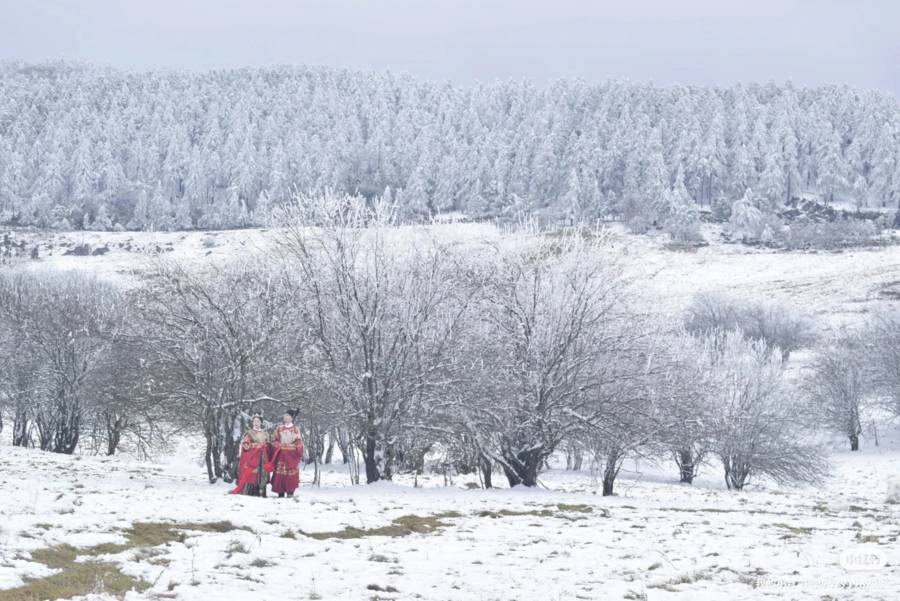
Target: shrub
(80, 250)
(683, 224)
(827, 235)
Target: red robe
(252, 476)
(288, 445)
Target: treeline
(84, 147)
(411, 352)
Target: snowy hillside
(833, 285)
(103, 149)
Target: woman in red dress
(288, 452)
(252, 468)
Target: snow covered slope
(836, 286)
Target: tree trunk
(329, 452)
(229, 445)
(370, 457)
(114, 428)
(344, 446)
(522, 468)
(578, 459)
(611, 469)
(112, 441)
(66, 426)
(486, 471)
(686, 466)
(208, 458)
(735, 474)
(511, 476)
(20, 428)
(608, 482)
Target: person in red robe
(253, 476)
(287, 454)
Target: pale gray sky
(664, 41)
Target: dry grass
(795, 529)
(80, 578)
(576, 507)
(402, 526)
(75, 578)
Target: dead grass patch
(80, 578)
(75, 578)
(402, 526)
(795, 529)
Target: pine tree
(141, 218)
(102, 221)
(831, 177)
(571, 201)
(746, 219)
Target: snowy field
(833, 286)
(114, 527)
(162, 525)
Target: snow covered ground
(161, 528)
(835, 286)
(655, 539)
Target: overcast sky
(663, 41)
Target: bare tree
(121, 401)
(384, 312)
(220, 342)
(778, 326)
(836, 385)
(21, 382)
(552, 308)
(647, 401)
(627, 427)
(683, 387)
(67, 320)
(881, 348)
(759, 426)
(714, 315)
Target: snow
(655, 538)
(838, 287)
(107, 149)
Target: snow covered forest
(93, 148)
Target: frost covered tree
(122, 412)
(684, 388)
(65, 323)
(745, 222)
(216, 341)
(94, 135)
(383, 310)
(837, 385)
(758, 423)
(882, 351)
(682, 220)
(551, 311)
(778, 327)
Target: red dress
(252, 476)
(288, 452)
